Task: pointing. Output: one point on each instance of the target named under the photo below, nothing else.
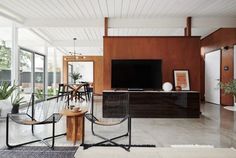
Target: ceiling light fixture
(76, 56)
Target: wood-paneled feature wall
(218, 39)
(175, 52)
(98, 70)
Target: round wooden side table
(75, 125)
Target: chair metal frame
(51, 120)
(94, 121)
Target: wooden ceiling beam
(106, 26)
(189, 26)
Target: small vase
(15, 109)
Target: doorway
(85, 68)
(31, 73)
(212, 76)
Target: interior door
(212, 77)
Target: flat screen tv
(136, 74)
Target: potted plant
(5, 92)
(230, 88)
(16, 102)
(75, 76)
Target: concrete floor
(216, 127)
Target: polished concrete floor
(216, 127)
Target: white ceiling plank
(96, 34)
(136, 8)
(46, 9)
(213, 22)
(64, 22)
(91, 34)
(10, 14)
(35, 7)
(78, 8)
(103, 11)
(146, 23)
(121, 8)
(117, 8)
(147, 8)
(83, 34)
(88, 8)
(132, 8)
(58, 7)
(69, 8)
(126, 8)
(8, 4)
(108, 15)
(91, 8)
(111, 8)
(96, 8)
(78, 43)
(140, 7)
(86, 33)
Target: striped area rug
(38, 152)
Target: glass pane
(70, 70)
(25, 83)
(54, 71)
(85, 69)
(5, 54)
(39, 76)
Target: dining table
(75, 89)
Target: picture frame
(182, 79)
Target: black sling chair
(39, 112)
(118, 108)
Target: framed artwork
(181, 79)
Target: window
(5, 54)
(32, 73)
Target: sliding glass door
(39, 74)
(32, 73)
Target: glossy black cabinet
(158, 104)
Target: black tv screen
(144, 74)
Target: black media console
(158, 104)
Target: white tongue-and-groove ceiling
(62, 20)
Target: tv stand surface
(135, 89)
(157, 104)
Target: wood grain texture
(226, 76)
(175, 52)
(98, 70)
(189, 26)
(74, 124)
(106, 26)
(217, 40)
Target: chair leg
(53, 133)
(9, 146)
(129, 131)
(112, 139)
(7, 130)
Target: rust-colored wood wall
(98, 70)
(175, 52)
(217, 40)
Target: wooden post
(106, 26)
(185, 31)
(189, 26)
